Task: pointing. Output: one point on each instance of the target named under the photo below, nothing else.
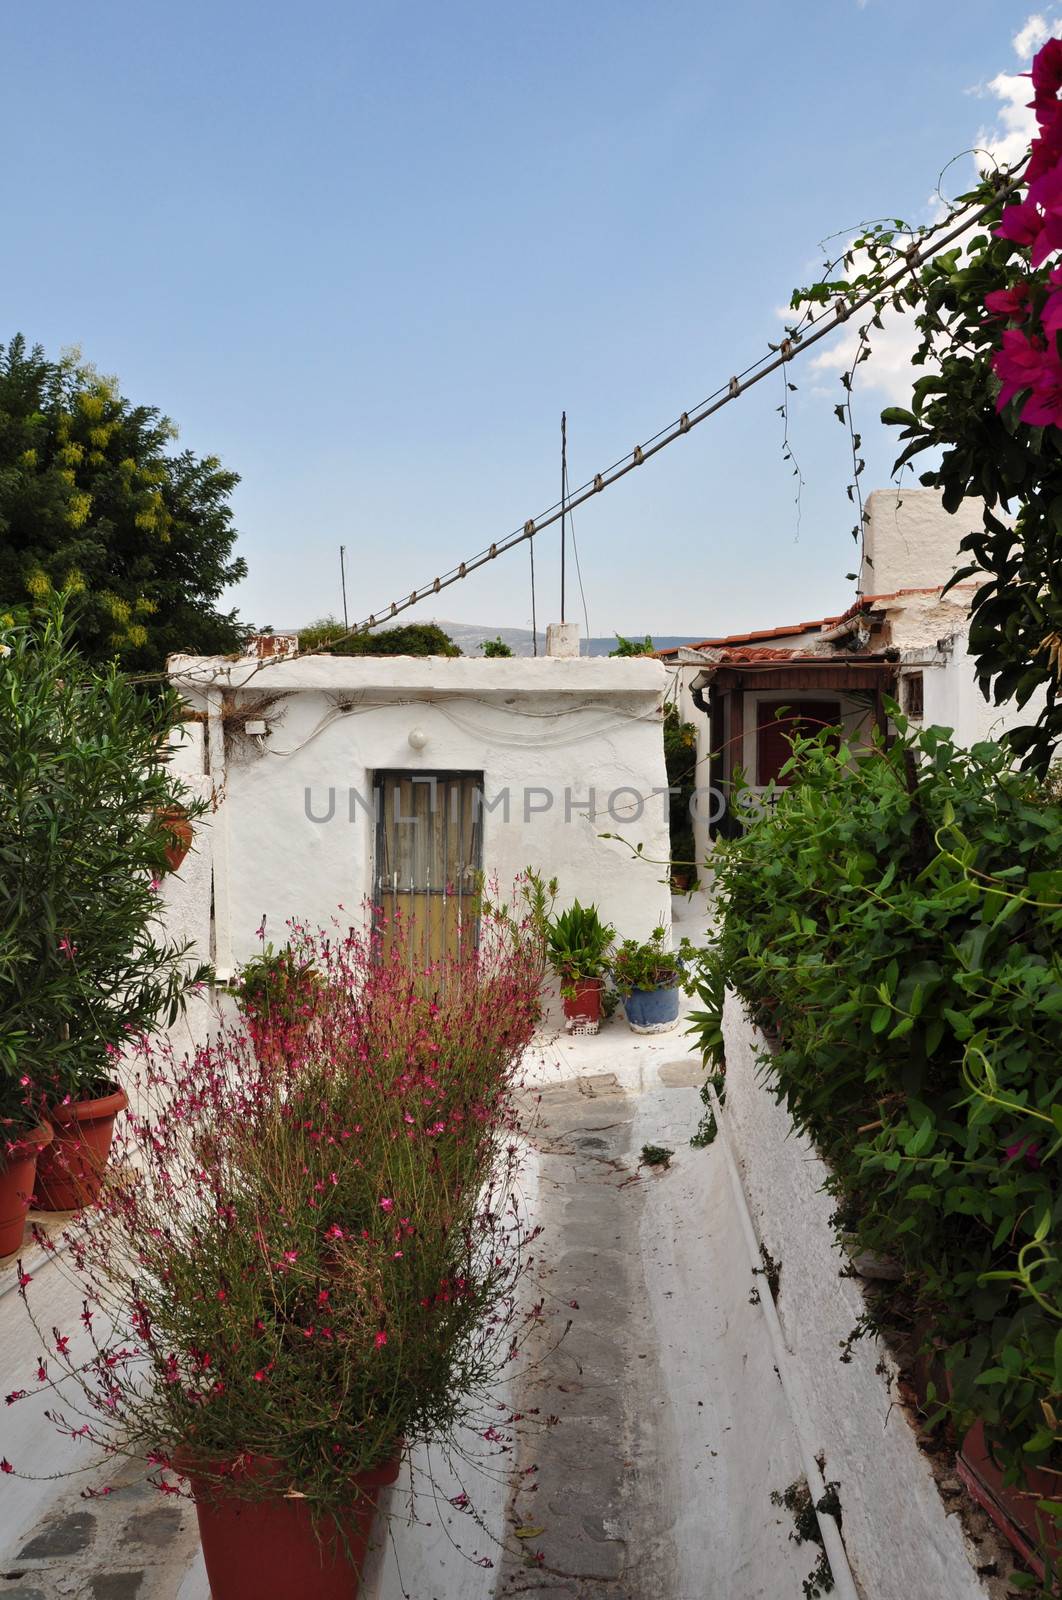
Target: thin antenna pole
(343, 581)
(564, 498)
(534, 619)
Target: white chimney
(562, 640)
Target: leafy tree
(93, 502)
(328, 637)
(496, 647)
(632, 647)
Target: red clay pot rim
(220, 1471)
(39, 1136)
(107, 1105)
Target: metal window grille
(429, 842)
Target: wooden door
(428, 862)
(778, 721)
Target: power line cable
(795, 343)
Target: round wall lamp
(417, 738)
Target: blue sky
(366, 253)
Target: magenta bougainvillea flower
(1017, 365)
(1025, 1148)
(1028, 362)
(1010, 303)
(1021, 222)
(1047, 78)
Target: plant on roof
(496, 647)
(632, 647)
(329, 637)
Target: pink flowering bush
(312, 1256)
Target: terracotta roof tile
(864, 603)
(721, 642)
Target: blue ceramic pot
(652, 1010)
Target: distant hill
(470, 636)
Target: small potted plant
(577, 948)
(649, 977)
(276, 993)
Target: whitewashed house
(397, 781)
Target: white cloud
(1008, 139)
(889, 369)
(1029, 38)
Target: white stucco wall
(577, 744)
(902, 1542)
(910, 541)
(952, 698)
(185, 894)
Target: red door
(776, 723)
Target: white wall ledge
(600, 676)
(903, 1541)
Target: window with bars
(913, 702)
(429, 831)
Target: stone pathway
(655, 1483)
(133, 1545)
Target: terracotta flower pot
(1012, 1507)
(174, 821)
(18, 1168)
(583, 1008)
(268, 1548)
(70, 1171)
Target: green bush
(898, 919)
